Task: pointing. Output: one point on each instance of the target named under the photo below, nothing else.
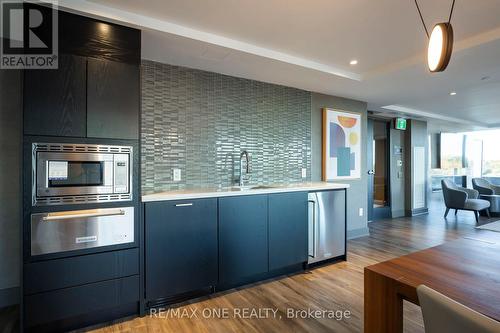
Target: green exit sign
(400, 123)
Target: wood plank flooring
(336, 287)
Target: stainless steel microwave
(81, 173)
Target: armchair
(488, 191)
(460, 198)
(485, 187)
(444, 315)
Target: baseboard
(356, 233)
(415, 212)
(9, 296)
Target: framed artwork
(341, 145)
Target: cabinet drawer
(70, 302)
(74, 271)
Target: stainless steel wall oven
(80, 173)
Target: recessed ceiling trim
(411, 111)
(118, 15)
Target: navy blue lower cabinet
(243, 244)
(63, 309)
(61, 273)
(287, 229)
(181, 247)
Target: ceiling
(309, 44)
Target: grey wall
(415, 136)
(200, 121)
(435, 150)
(397, 173)
(10, 185)
(358, 192)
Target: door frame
(385, 212)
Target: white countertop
(235, 191)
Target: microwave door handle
(59, 216)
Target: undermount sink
(261, 187)
(256, 187)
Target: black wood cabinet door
(287, 229)
(243, 246)
(113, 99)
(181, 247)
(55, 99)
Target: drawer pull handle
(184, 205)
(83, 214)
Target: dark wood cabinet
(287, 229)
(95, 92)
(243, 245)
(55, 99)
(181, 247)
(113, 99)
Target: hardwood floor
(336, 287)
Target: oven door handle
(84, 214)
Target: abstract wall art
(341, 145)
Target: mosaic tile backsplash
(200, 122)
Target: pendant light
(440, 43)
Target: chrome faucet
(247, 169)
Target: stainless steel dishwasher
(327, 225)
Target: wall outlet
(361, 212)
(177, 175)
(304, 173)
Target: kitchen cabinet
(55, 99)
(287, 229)
(68, 272)
(84, 97)
(113, 99)
(243, 238)
(69, 303)
(229, 241)
(181, 247)
(95, 92)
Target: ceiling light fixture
(453, 93)
(353, 62)
(440, 43)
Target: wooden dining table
(467, 270)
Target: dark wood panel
(93, 38)
(66, 303)
(55, 100)
(113, 99)
(243, 243)
(287, 229)
(69, 272)
(181, 247)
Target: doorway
(378, 148)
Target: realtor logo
(29, 32)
